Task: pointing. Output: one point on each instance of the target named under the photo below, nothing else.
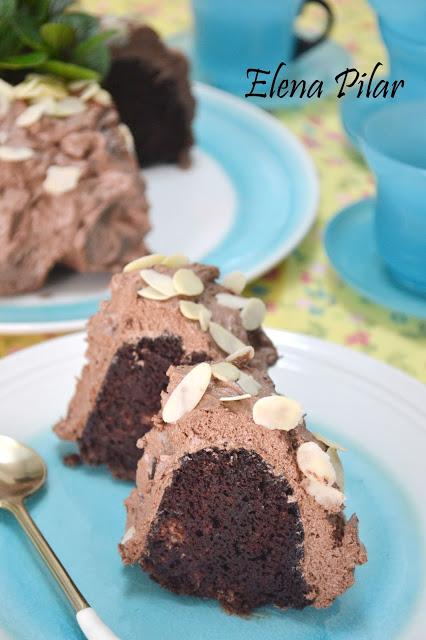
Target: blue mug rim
(365, 143)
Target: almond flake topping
(145, 262)
(6, 89)
(15, 154)
(328, 497)
(103, 97)
(338, 468)
(69, 106)
(127, 136)
(128, 535)
(329, 443)
(244, 396)
(153, 294)
(225, 371)
(277, 412)
(4, 105)
(253, 314)
(61, 179)
(188, 393)
(176, 260)
(248, 384)
(230, 301)
(187, 283)
(241, 356)
(235, 281)
(159, 281)
(315, 463)
(224, 338)
(189, 309)
(204, 318)
(31, 115)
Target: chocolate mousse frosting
(221, 508)
(70, 187)
(132, 341)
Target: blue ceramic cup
(394, 143)
(407, 59)
(232, 36)
(406, 17)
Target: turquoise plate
(377, 412)
(351, 249)
(248, 199)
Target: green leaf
(26, 29)
(24, 61)
(69, 71)
(57, 36)
(93, 53)
(83, 24)
(40, 10)
(58, 6)
(9, 41)
(7, 9)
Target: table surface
(302, 293)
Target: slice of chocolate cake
(236, 500)
(70, 186)
(161, 312)
(150, 86)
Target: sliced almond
(224, 338)
(187, 283)
(69, 106)
(153, 294)
(244, 396)
(31, 115)
(241, 356)
(103, 97)
(89, 91)
(6, 89)
(204, 318)
(315, 463)
(15, 154)
(253, 314)
(189, 309)
(235, 281)
(328, 497)
(328, 442)
(248, 384)
(277, 412)
(338, 467)
(128, 535)
(159, 281)
(230, 301)
(127, 136)
(188, 393)
(225, 371)
(176, 260)
(145, 262)
(61, 179)
(78, 85)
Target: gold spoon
(23, 472)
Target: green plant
(50, 37)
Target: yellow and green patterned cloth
(302, 292)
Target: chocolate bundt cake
(236, 500)
(71, 189)
(150, 86)
(162, 311)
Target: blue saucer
(350, 246)
(322, 62)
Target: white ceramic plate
(378, 412)
(248, 199)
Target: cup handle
(303, 45)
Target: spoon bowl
(22, 471)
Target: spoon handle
(88, 620)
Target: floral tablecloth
(302, 293)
